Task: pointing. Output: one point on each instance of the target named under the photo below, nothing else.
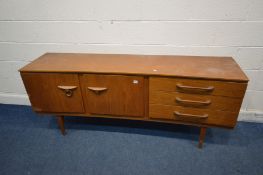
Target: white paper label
(135, 81)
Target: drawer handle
(203, 89)
(97, 90)
(205, 116)
(192, 102)
(68, 90)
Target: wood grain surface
(220, 88)
(196, 101)
(216, 68)
(45, 96)
(219, 118)
(124, 95)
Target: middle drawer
(195, 100)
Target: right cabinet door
(113, 94)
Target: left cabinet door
(54, 92)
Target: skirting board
(22, 99)
(11, 98)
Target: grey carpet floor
(32, 144)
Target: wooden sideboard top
(215, 68)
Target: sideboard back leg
(60, 120)
(202, 137)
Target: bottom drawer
(191, 115)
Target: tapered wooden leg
(202, 137)
(60, 120)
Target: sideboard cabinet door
(113, 94)
(54, 92)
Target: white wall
(30, 28)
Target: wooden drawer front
(217, 88)
(196, 101)
(54, 92)
(192, 115)
(113, 94)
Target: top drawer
(217, 88)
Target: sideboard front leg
(202, 137)
(60, 120)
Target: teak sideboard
(190, 90)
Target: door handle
(205, 116)
(192, 102)
(97, 90)
(68, 90)
(194, 88)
